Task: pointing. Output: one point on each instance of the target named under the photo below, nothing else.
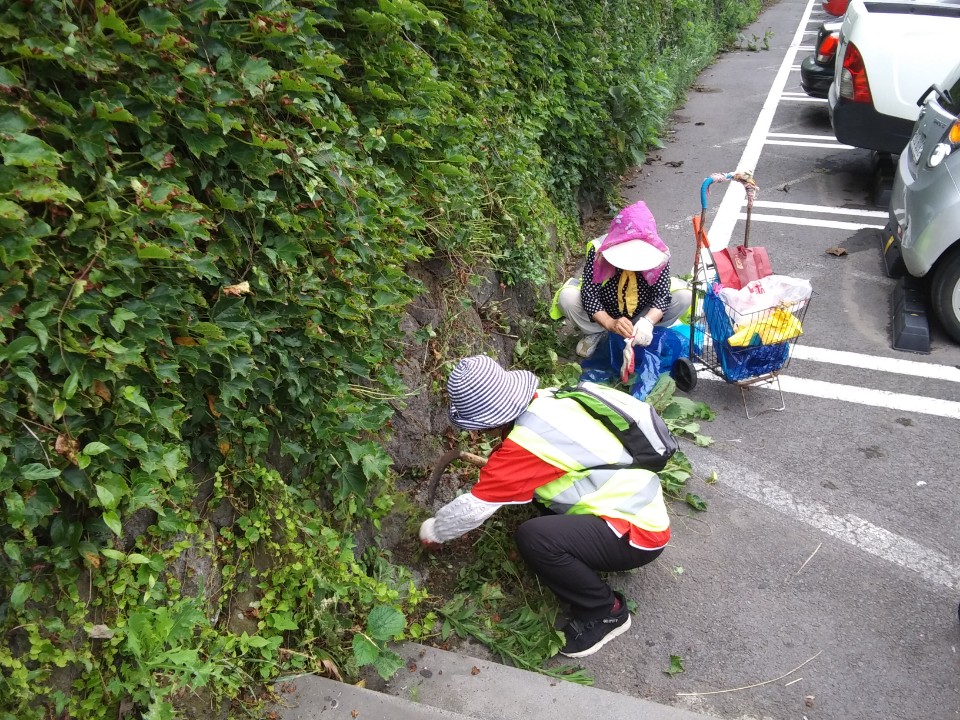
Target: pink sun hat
(632, 243)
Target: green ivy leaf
(18, 349)
(387, 664)
(132, 394)
(20, 595)
(158, 20)
(37, 471)
(13, 551)
(676, 665)
(281, 621)
(95, 448)
(153, 252)
(696, 502)
(27, 151)
(11, 211)
(112, 520)
(385, 622)
(365, 651)
(375, 465)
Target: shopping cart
(744, 349)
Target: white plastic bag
(765, 293)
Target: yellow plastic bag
(774, 327)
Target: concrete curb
(440, 685)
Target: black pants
(567, 551)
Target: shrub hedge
(208, 211)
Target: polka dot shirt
(603, 296)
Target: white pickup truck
(890, 52)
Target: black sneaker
(586, 637)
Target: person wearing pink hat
(625, 287)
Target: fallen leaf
(224, 447)
(808, 701)
(361, 683)
(211, 399)
(474, 670)
(838, 251)
(676, 665)
(354, 713)
(331, 667)
(67, 447)
(102, 390)
(674, 163)
(238, 289)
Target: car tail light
(827, 49)
(853, 77)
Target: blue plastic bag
(604, 365)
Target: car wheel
(945, 293)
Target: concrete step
(319, 698)
(438, 684)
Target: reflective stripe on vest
(561, 433)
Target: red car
(835, 7)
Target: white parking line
(859, 395)
(804, 136)
(933, 566)
(801, 143)
(931, 371)
(801, 207)
(803, 98)
(809, 222)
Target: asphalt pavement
(823, 580)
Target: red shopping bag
(740, 265)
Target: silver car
(925, 204)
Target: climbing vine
(208, 213)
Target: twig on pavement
(808, 560)
(747, 687)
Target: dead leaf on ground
(474, 670)
(674, 163)
(838, 251)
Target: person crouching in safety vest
(605, 515)
(626, 286)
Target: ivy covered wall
(208, 212)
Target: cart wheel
(685, 374)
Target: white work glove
(427, 538)
(642, 332)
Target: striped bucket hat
(484, 396)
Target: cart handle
(745, 178)
(705, 186)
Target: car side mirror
(923, 96)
